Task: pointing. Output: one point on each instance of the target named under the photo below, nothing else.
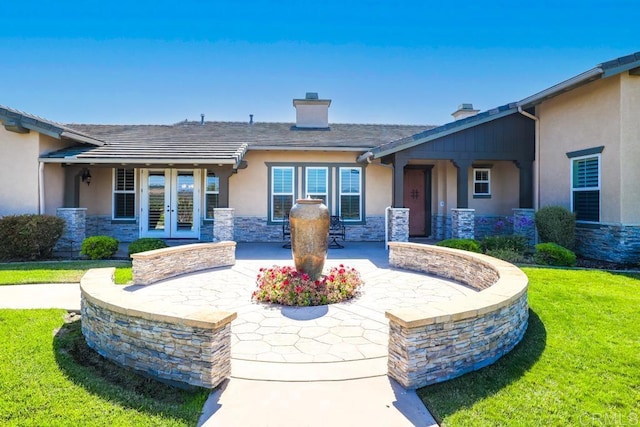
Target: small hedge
(552, 254)
(99, 247)
(509, 255)
(146, 244)
(464, 244)
(29, 237)
(557, 225)
(514, 243)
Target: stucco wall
(53, 175)
(583, 118)
(505, 190)
(18, 172)
(630, 146)
(249, 188)
(97, 197)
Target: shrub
(29, 237)
(552, 254)
(286, 286)
(512, 243)
(557, 225)
(508, 255)
(99, 247)
(464, 244)
(146, 244)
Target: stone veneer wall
(256, 229)
(223, 226)
(524, 224)
(430, 344)
(609, 242)
(75, 231)
(153, 266)
(188, 349)
(493, 225)
(103, 225)
(398, 225)
(463, 223)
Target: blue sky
(406, 62)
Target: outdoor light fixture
(86, 176)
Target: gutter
(365, 157)
(564, 86)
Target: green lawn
(19, 273)
(578, 364)
(48, 377)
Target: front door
(170, 205)
(417, 197)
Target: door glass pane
(156, 200)
(184, 208)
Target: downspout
(536, 179)
(386, 227)
(41, 207)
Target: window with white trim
(350, 197)
(124, 193)
(585, 188)
(211, 194)
(317, 183)
(282, 191)
(481, 182)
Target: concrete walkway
(311, 366)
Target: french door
(170, 205)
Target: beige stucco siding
(630, 149)
(18, 172)
(53, 175)
(505, 190)
(583, 118)
(97, 197)
(249, 188)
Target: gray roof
(220, 142)
(20, 121)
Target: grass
(578, 363)
(20, 273)
(48, 376)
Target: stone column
(223, 224)
(398, 225)
(463, 223)
(524, 225)
(75, 231)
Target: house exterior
(574, 144)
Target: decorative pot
(309, 219)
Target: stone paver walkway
(340, 341)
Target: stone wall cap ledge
(182, 248)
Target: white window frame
(572, 161)
(359, 193)
(482, 181)
(116, 191)
(207, 192)
(272, 192)
(311, 194)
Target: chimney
(464, 111)
(250, 119)
(201, 119)
(311, 112)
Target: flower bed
(287, 286)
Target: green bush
(99, 247)
(512, 243)
(508, 255)
(557, 225)
(464, 244)
(29, 237)
(552, 254)
(146, 244)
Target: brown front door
(417, 197)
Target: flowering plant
(287, 286)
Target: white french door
(170, 205)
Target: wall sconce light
(86, 176)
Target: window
(124, 194)
(282, 192)
(585, 186)
(211, 194)
(482, 182)
(351, 194)
(317, 183)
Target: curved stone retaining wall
(152, 266)
(430, 344)
(167, 342)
